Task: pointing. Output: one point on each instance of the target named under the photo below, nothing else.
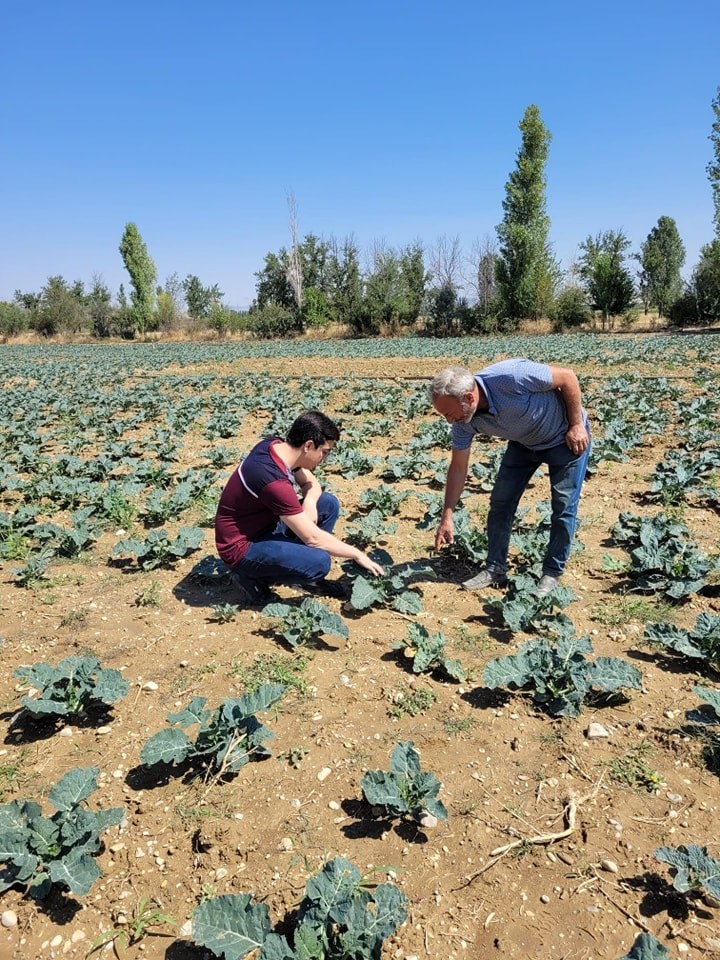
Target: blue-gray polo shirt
(522, 406)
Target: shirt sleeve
(462, 436)
(533, 377)
(280, 498)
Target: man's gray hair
(452, 382)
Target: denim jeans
(567, 472)
(280, 557)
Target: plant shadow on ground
(58, 906)
(675, 664)
(482, 698)
(366, 826)
(659, 896)
(186, 950)
(29, 729)
(142, 777)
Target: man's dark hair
(312, 425)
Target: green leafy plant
(383, 499)
(369, 529)
(632, 770)
(693, 869)
(135, 927)
(663, 557)
(560, 676)
(311, 620)
(428, 652)
(39, 851)
(646, 947)
(411, 701)
(35, 570)
(339, 918)
(701, 643)
(405, 790)
(523, 610)
(225, 612)
(228, 737)
(158, 550)
(390, 589)
(73, 687)
(149, 596)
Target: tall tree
(661, 258)
(606, 278)
(199, 299)
(143, 275)
(713, 167)
(526, 269)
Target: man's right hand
(364, 561)
(445, 534)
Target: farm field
(113, 459)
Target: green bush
(570, 309)
(13, 319)
(274, 321)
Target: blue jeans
(567, 472)
(280, 557)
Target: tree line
(314, 283)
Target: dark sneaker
(252, 593)
(547, 585)
(486, 578)
(328, 588)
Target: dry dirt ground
(508, 772)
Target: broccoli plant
(369, 529)
(390, 589)
(339, 918)
(702, 643)
(428, 652)
(75, 686)
(469, 541)
(228, 738)
(158, 550)
(646, 947)
(312, 619)
(559, 674)
(384, 499)
(36, 567)
(39, 851)
(693, 869)
(663, 557)
(523, 610)
(405, 790)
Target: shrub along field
(418, 772)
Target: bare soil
(508, 772)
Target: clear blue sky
(387, 120)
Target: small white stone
(544, 898)
(221, 873)
(428, 821)
(139, 852)
(609, 866)
(324, 774)
(78, 936)
(334, 805)
(103, 730)
(285, 844)
(66, 732)
(56, 941)
(185, 929)
(9, 918)
(150, 685)
(674, 797)
(596, 731)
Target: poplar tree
(526, 270)
(143, 275)
(661, 258)
(713, 168)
